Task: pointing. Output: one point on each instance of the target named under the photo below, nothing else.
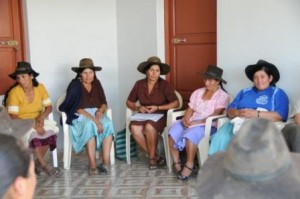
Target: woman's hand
(99, 125)
(142, 109)
(39, 129)
(248, 113)
(151, 109)
(186, 122)
(40, 121)
(99, 114)
(39, 125)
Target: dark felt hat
(86, 63)
(257, 164)
(213, 72)
(23, 68)
(251, 69)
(144, 66)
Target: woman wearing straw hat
(85, 106)
(263, 100)
(29, 99)
(187, 133)
(155, 95)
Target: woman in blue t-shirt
(263, 100)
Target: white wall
(250, 30)
(61, 32)
(140, 35)
(116, 34)
(119, 34)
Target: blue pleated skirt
(83, 129)
(221, 139)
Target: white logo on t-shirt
(263, 99)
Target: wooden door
(190, 42)
(11, 40)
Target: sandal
(161, 161)
(51, 171)
(152, 163)
(176, 171)
(92, 171)
(102, 169)
(193, 171)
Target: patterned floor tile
(123, 181)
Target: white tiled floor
(123, 181)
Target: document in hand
(146, 116)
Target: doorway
(191, 42)
(11, 40)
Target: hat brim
(14, 74)
(214, 181)
(22, 127)
(15, 127)
(80, 69)
(251, 69)
(210, 76)
(144, 66)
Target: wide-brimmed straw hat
(257, 164)
(144, 66)
(251, 69)
(86, 63)
(15, 127)
(23, 68)
(214, 72)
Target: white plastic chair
(54, 152)
(204, 143)
(164, 135)
(67, 139)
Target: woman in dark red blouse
(155, 95)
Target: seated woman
(29, 99)
(155, 95)
(291, 132)
(187, 133)
(263, 100)
(85, 106)
(18, 180)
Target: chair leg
(167, 150)
(54, 158)
(112, 154)
(128, 134)
(67, 151)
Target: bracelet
(258, 112)
(157, 108)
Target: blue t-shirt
(271, 99)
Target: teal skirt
(221, 139)
(83, 129)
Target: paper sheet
(146, 116)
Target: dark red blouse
(93, 99)
(162, 93)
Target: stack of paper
(146, 116)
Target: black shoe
(194, 172)
(174, 168)
(161, 162)
(102, 169)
